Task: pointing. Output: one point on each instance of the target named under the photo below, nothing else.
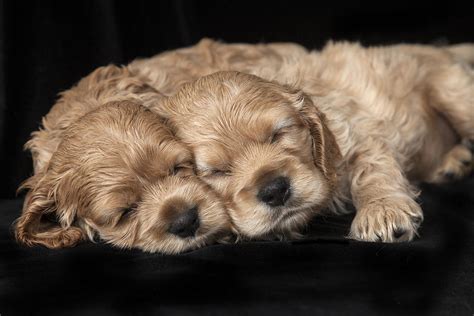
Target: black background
(46, 46)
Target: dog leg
(385, 201)
(451, 92)
(456, 164)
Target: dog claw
(416, 220)
(466, 162)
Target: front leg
(384, 200)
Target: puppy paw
(387, 220)
(457, 164)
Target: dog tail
(463, 51)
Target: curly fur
(395, 113)
(347, 123)
(113, 171)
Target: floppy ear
(326, 153)
(32, 229)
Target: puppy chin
(175, 245)
(283, 223)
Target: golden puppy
(263, 146)
(278, 155)
(119, 174)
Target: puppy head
(120, 174)
(263, 146)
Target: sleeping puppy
(263, 146)
(119, 174)
(371, 77)
(279, 155)
(373, 116)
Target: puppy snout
(186, 224)
(275, 192)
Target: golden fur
(114, 171)
(346, 124)
(241, 141)
(397, 114)
(103, 85)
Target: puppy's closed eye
(281, 129)
(277, 135)
(215, 173)
(127, 212)
(220, 173)
(183, 169)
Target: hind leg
(451, 92)
(456, 164)
(451, 88)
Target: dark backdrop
(46, 46)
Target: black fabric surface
(46, 46)
(323, 274)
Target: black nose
(186, 224)
(275, 192)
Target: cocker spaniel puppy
(115, 171)
(118, 173)
(264, 147)
(344, 124)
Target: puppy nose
(276, 192)
(186, 224)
